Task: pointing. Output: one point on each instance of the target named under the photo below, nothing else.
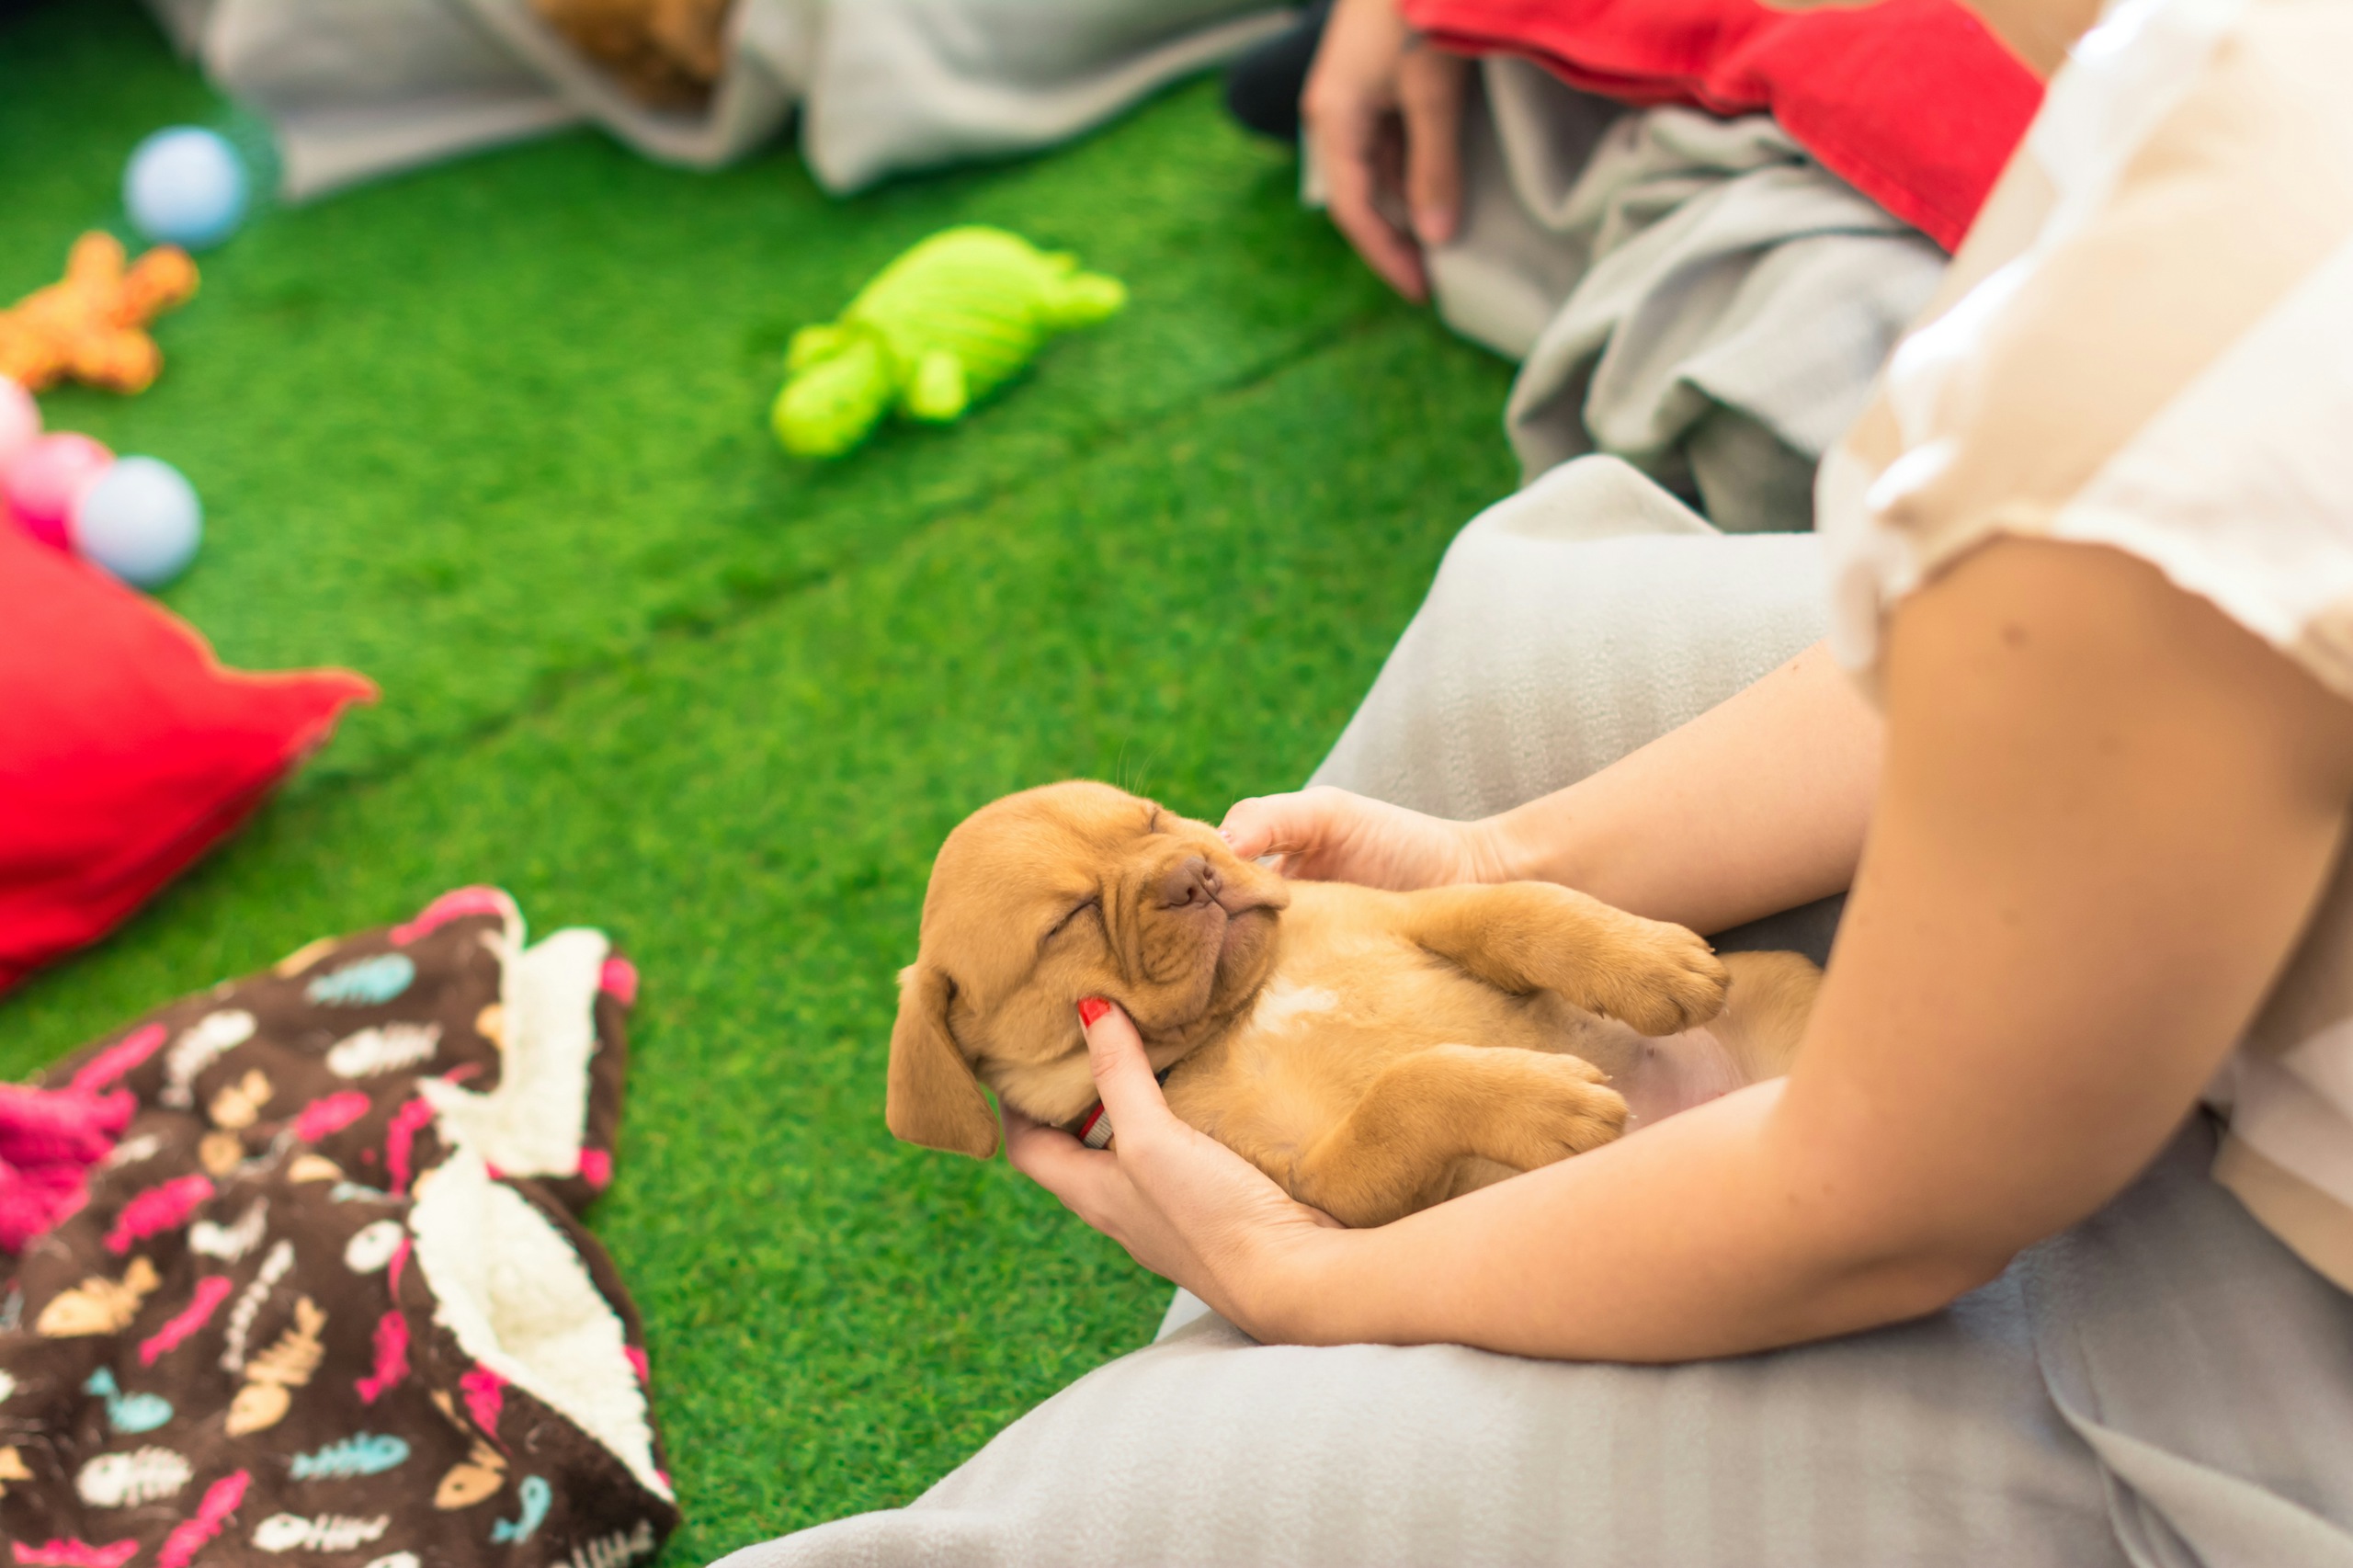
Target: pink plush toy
(19, 420)
(48, 478)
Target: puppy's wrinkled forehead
(1023, 860)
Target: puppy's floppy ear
(933, 1099)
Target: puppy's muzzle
(1190, 883)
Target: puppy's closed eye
(1094, 906)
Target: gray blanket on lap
(2164, 1385)
(356, 91)
(1695, 295)
(1570, 624)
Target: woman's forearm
(1710, 1234)
(1755, 806)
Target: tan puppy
(1373, 1052)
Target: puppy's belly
(1285, 1078)
(1306, 1057)
(1660, 1077)
(1268, 1100)
(1656, 1077)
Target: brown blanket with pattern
(327, 1302)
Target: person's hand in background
(1324, 835)
(1384, 110)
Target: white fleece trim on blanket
(532, 1122)
(512, 1290)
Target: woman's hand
(1324, 835)
(1373, 80)
(1185, 1206)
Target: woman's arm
(2106, 812)
(1755, 806)
(1758, 805)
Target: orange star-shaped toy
(92, 325)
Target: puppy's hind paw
(1568, 1118)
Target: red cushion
(1912, 102)
(126, 751)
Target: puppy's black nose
(1189, 882)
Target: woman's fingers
(1260, 825)
(1183, 1205)
(1300, 828)
(1429, 92)
(1123, 1075)
(1098, 1185)
(1035, 1149)
(1294, 821)
(1088, 1181)
(1085, 1180)
(1328, 834)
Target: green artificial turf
(494, 434)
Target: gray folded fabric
(1695, 295)
(1929, 1446)
(900, 85)
(358, 89)
(1570, 624)
(2210, 1371)
(2219, 1368)
(355, 89)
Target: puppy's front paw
(1664, 980)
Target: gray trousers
(2164, 1385)
(1570, 624)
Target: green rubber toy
(936, 330)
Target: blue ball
(140, 521)
(185, 187)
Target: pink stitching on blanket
(618, 979)
(60, 1126)
(485, 1399)
(392, 1357)
(455, 905)
(190, 1535)
(74, 1554)
(330, 1114)
(210, 1292)
(400, 1140)
(100, 1072)
(161, 1207)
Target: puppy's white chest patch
(1286, 1002)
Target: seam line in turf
(737, 607)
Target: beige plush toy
(663, 52)
(92, 325)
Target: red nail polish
(1091, 1008)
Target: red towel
(1912, 102)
